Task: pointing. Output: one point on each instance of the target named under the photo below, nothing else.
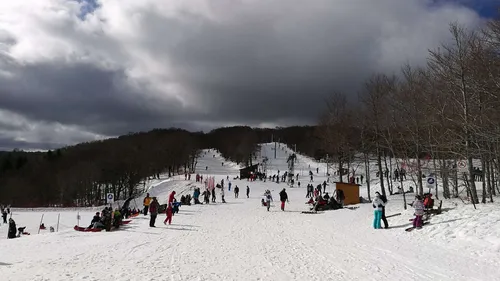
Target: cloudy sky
(79, 70)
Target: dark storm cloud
(132, 65)
(81, 94)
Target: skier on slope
(283, 199)
(377, 205)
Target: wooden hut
(351, 192)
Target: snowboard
(126, 222)
(412, 228)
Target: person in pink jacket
(171, 198)
(419, 207)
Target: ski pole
(41, 219)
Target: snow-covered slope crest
(277, 155)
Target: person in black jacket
(4, 215)
(340, 197)
(283, 199)
(384, 219)
(236, 192)
(12, 229)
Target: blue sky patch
(88, 7)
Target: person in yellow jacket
(147, 202)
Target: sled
(84, 229)
(125, 222)
(311, 212)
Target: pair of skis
(413, 228)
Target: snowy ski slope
(240, 240)
(302, 166)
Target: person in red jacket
(171, 198)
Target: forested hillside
(83, 173)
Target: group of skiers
(268, 198)
(419, 206)
(314, 192)
(152, 205)
(106, 219)
(399, 174)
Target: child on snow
(268, 198)
(378, 204)
(418, 205)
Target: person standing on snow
(213, 195)
(269, 198)
(248, 192)
(419, 207)
(378, 204)
(283, 199)
(340, 197)
(384, 219)
(236, 191)
(146, 203)
(222, 195)
(4, 215)
(153, 210)
(12, 229)
(170, 208)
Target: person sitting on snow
(96, 221)
(117, 218)
(428, 201)
(326, 196)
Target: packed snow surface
(240, 240)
